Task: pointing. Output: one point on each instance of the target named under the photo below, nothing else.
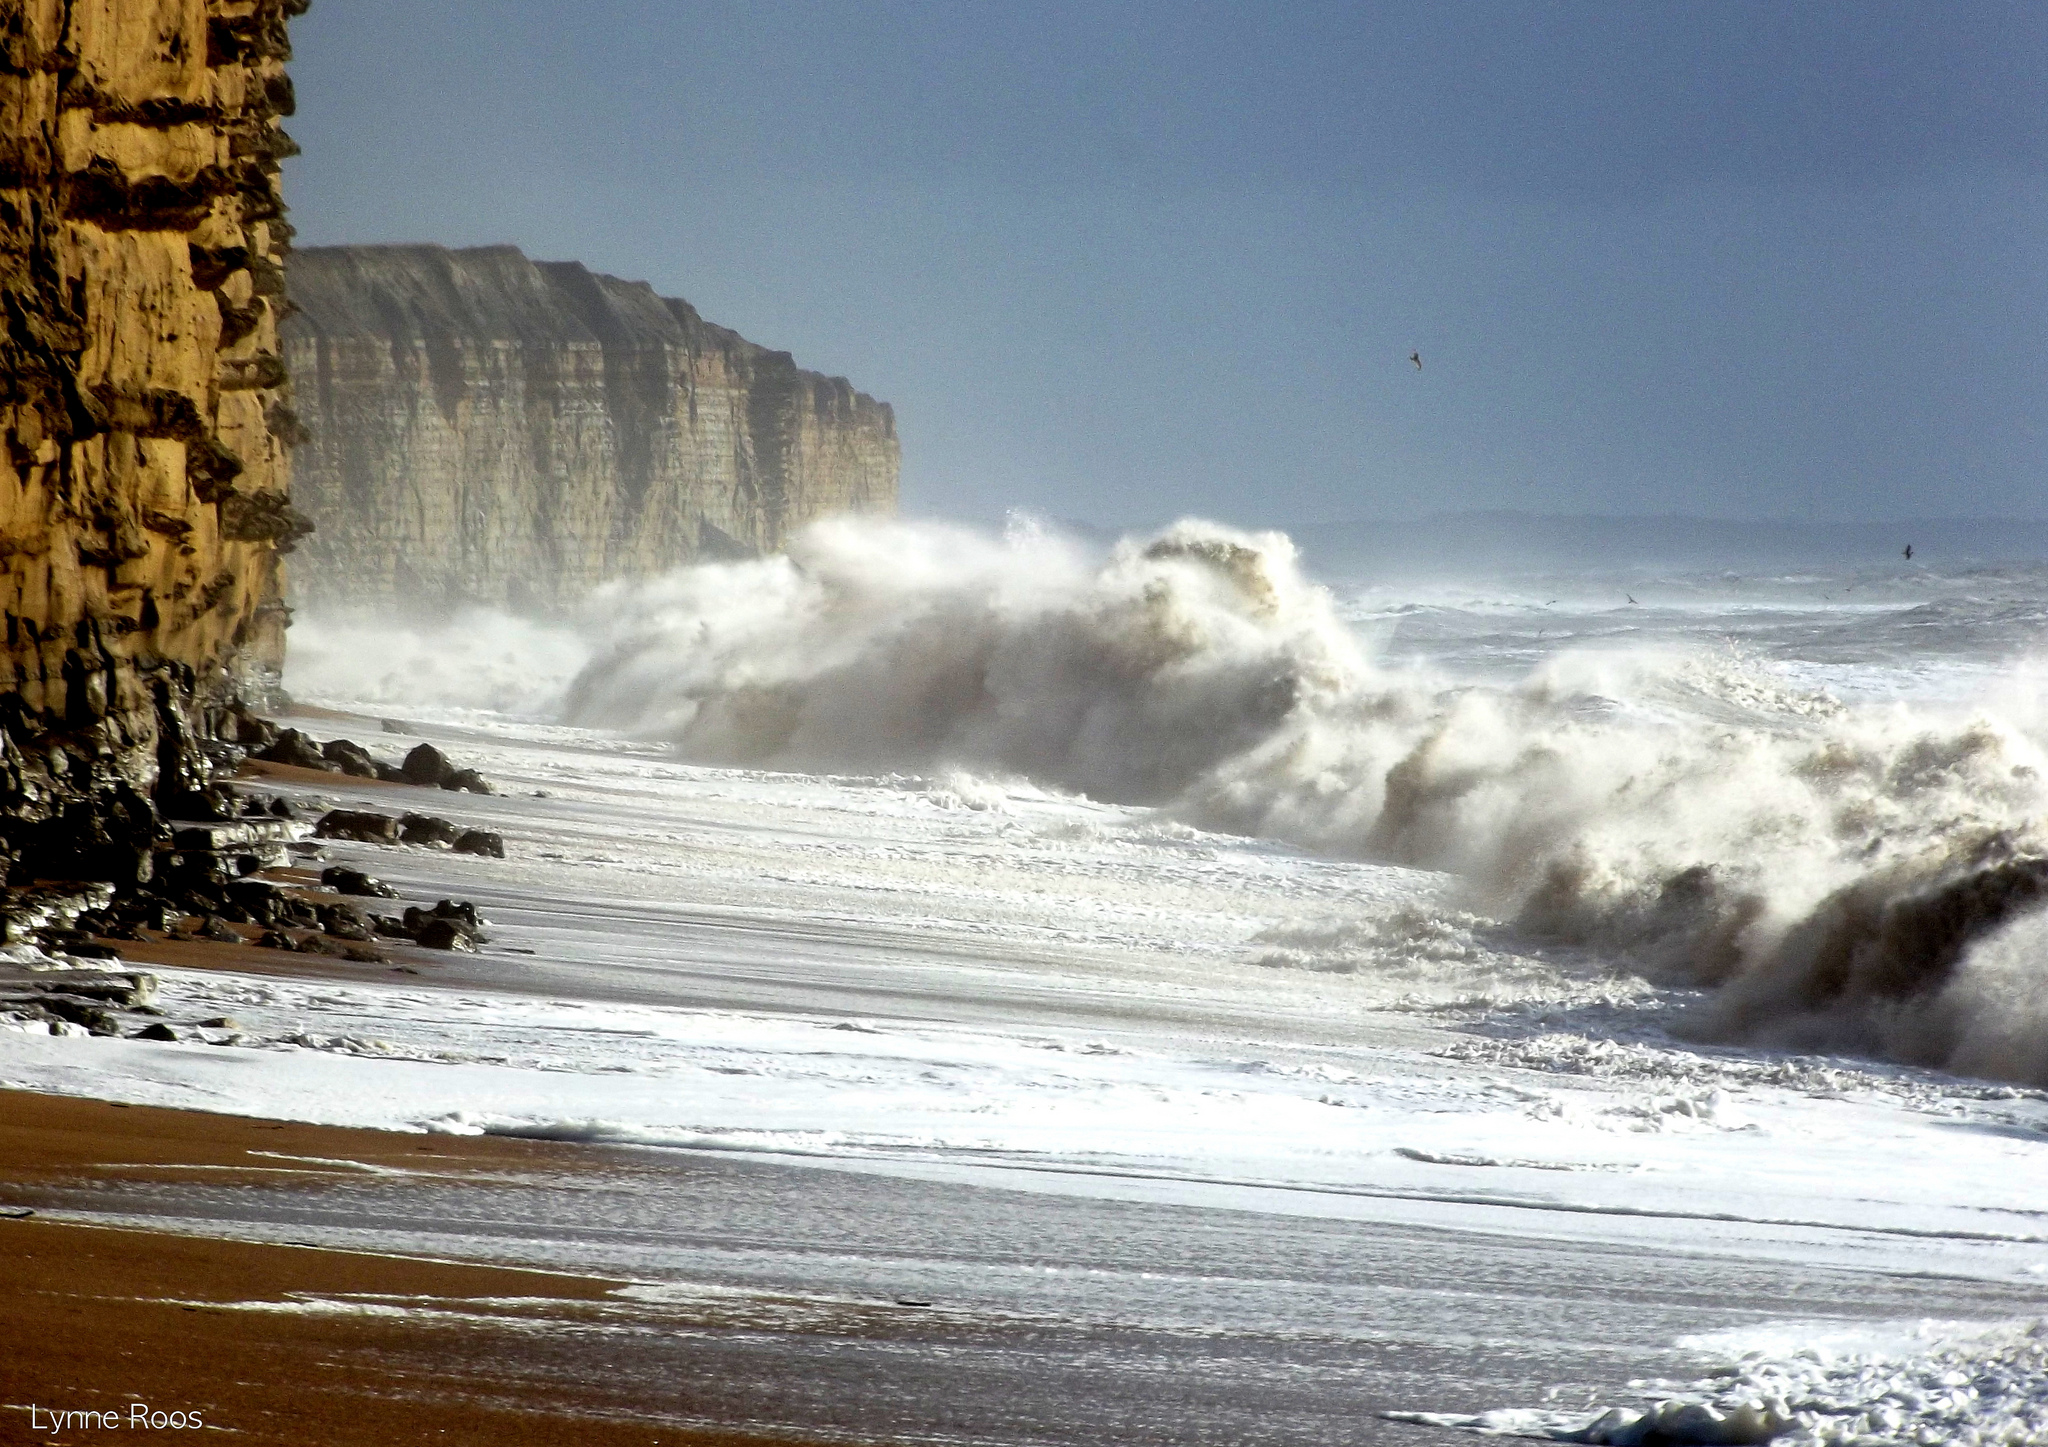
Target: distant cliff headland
(485, 428)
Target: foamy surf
(1846, 875)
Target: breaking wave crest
(1852, 878)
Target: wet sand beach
(688, 1298)
(412, 1350)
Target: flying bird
(1909, 552)
(1416, 358)
(1631, 599)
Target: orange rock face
(144, 423)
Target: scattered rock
(343, 880)
(468, 781)
(426, 766)
(351, 758)
(446, 934)
(358, 824)
(250, 731)
(259, 901)
(449, 925)
(221, 1022)
(298, 750)
(481, 841)
(428, 830)
(158, 1031)
(460, 910)
(97, 1019)
(218, 929)
(143, 911)
(216, 801)
(344, 922)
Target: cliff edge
(486, 428)
(143, 417)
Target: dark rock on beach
(297, 750)
(429, 830)
(486, 842)
(360, 825)
(93, 1000)
(343, 880)
(344, 922)
(429, 768)
(426, 766)
(449, 925)
(446, 934)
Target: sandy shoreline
(99, 1319)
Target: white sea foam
(1824, 1384)
(1855, 876)
(475, 660)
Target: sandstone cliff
(488, 428)
(142, 410)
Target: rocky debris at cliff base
(428, 767)
(343, 880)
(426, 831)
(429, 831)
(41, 990)
(361, 825)
(425, 767)
(449, 925)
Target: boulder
(446, 934)
(351, 758)
(298, 750)
(486, 842)
(428, 830)
(343, 880)
(358, 824)
(344, 922)
(426, 766)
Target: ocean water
(1689, 916)
(1816, 795)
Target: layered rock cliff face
(491, 429)
(143, 423)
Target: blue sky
(1120, 262)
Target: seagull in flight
(1416, 358)
(1631, 599)
(1909, 552)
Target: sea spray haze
(1847, 876)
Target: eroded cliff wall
(142, 409)
(491, 429)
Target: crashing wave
(1849, 877)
